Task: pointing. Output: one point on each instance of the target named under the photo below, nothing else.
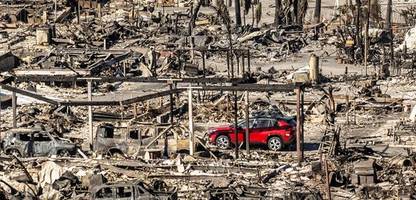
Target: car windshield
(242, 123)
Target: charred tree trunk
(193, 17)
(302, 8)
(317, 12)
(277, 10)
(295, 11)
(388, 16)
(358, 24)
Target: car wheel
(275, 144)
(223, 142)
(114, 154)
(14, 152)
(64, 153)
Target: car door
(134, 139)
(242, 131)
(260, 129)
(42, 144)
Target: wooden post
(191, 125)
(247, 138)
(135, 110)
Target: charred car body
(134, 191)
(112, 140)
(33, 142)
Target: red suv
(275, 132)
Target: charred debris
(177, 99)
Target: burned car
(134, 191)
(33, 142)
(111, 140)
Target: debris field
(208, 99)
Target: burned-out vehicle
(33, 142)
(134, 191)
(111, 140)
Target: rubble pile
(207, 100)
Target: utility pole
(366, 40)
(317, 12)
(237, 13)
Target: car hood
(221, 128)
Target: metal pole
(90, 113)
(302, 100)
(298, 126)
(203, 63)
(228, 63)
(357, 24)
(171, 103)
(248, 61)
(0, 110)
(191, 125)
(247, 124)
(235, 124)
(390, 30)
(366, 42)
(165, 151)
(14, 106)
